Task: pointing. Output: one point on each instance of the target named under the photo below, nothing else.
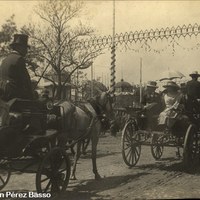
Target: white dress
(171, 102)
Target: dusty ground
(150, 179)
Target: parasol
(169, 75)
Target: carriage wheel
(131, 147)
(53, 172)
(5, 173)
(191, 148)
(156, 147)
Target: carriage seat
(25, 113)
(23, 105)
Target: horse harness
(99, 116)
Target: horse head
(105, 103)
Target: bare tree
(55, 41)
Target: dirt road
(150, 179)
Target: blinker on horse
(83, 122)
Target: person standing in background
(193, 92)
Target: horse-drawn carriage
(28, 146)
(184, 135)
(35, 140)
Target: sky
(131, 16)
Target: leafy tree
(92, 88)
(55, 42)
(8, 29)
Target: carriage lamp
(49, 105)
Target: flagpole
(140, 80)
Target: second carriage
(135, 134)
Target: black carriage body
(25, 112)
(32, 146)
(27, 129)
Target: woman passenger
(172, 99)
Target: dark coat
(193, 93)
(193, 89)
(151, 98)
(13, 71)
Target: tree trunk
(59, 88)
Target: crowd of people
(173, 100)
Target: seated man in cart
(172, 116)
(152, 104)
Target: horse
(84, 122)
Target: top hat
(152, 84)
(195, 73)
(20, 39)
(171, 84)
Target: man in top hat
(13, 71)
(193, 90)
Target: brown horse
(83, 122)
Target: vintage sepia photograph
(99, 99)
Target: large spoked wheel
(54, 172)
(5, 173)
(157, 147)
(191, 148)
(131, 147)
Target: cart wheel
(53, 172)
(131, 147)
(5, 173)
(191, 148)
(156, 147)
